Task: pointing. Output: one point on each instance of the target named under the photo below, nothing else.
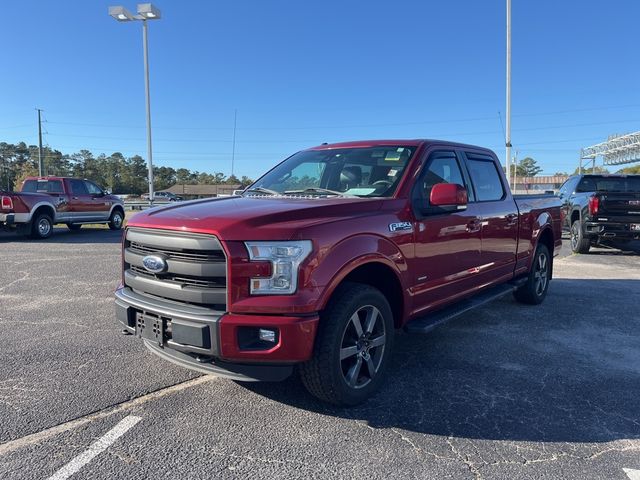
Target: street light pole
(508, 119)
(148, 106)
(146, 11)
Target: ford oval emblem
(154, 263)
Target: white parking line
(96, 448)
(41, 436)
(632, 474)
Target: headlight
(285, 258)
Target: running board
(429, 322)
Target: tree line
(115, 172)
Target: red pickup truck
(318, 262)
(46, 201)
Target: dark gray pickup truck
(601, 209)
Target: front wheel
(116, 219)
(535, 290)
(353, 346)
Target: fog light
(267, 335)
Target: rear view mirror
(449, 195)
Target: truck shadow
(565, 371)
(87, 234)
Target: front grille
(185, 281)
(196, 270)
(188, 256)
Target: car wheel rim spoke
(372, 318)
(347, 352)
(378, 341)
(354, 372)
(355, 320)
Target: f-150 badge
(400, 226)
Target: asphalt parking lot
(505, 392)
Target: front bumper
(209, 341)
(610, 231)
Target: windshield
(609, 184)
(361, 172)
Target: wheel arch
(43, 207)
(376, 272)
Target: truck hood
(254, 218)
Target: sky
(300, 73)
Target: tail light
(594, 205)
(6, 203)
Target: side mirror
(450, 196)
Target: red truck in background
(318, 262)
(46, 201)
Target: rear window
(43, 186)
(609, 184)
(486, 179)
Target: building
(540, 184)
(191, 192)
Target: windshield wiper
(319, 191)
(262, 190)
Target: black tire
(579, 244)
(535, 290)
(338, 380)
(41, 226)
(116, 219)
(74, 226)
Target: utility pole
(233, 151)
(40, 159)
(508, 120)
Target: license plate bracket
(635, 227)
(150, 328)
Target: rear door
(447, 245)
(499, 218)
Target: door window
(486, 179)
(568, 187)
(442, 167)
(93, 189)
(78, 187)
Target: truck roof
(401, 143)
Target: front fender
(352, 253)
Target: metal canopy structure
(617, 150)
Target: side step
(427, 323)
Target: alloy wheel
(363, 346)
(541, 274)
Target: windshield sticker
(360, 191)
(392, 173)
(392, 157)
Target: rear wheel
(579, 244)
(74, 226)
(535, 290)
(116, 219)
(353, 346)
(42, 226)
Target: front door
(447, 245)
